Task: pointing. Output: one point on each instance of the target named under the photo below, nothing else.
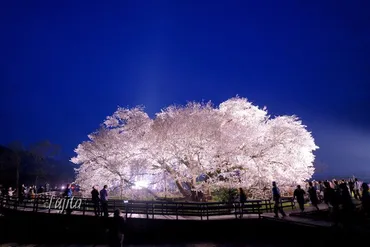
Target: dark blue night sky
(65, 66)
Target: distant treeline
(37, 164)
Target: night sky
(65, 66)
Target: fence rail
(201, 210)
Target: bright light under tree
(141, 184)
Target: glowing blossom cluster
(197, 146)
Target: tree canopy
(197, 146)
(37, 164)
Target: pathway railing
(150, 209)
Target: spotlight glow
(141, 184)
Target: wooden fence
(201, 210)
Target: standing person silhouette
(117, 229)
(357, 185)
(276, 198)
(312, 192)
(242, 200)
(104, 200)
(67, 195)
(365, 199)
(96, 200)
(351, 185)
(299, 195)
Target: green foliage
(226, 195)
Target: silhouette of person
(299, 195)
(313, 195)
(332, 200)
(351, 185)
(336, 185)
(22, 193)
(320, 191)
(276, 198)
(347, 204)
(104, 200)
(242, 200)
(357, 189)
(96, 200)
(117, 229)
(68, 195)
(365, 199)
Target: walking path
(219, 217)
(173, 217)
(301, 220)
(267, 216)
(292, 216)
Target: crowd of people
(28, 192)
(99, 199)
(341, 197)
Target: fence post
(147, 210)
(152, 209)
(34, 205)
(83, 206)
(207, 211)
(37, 203)
(259, 209)
(200, 206)
(50, 202)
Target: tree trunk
(121, 188)
(165, 185)
(17, 180)
(183, 191)
(194, 181)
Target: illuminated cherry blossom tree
(184, 143)
(197, 146)
(115, 154)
